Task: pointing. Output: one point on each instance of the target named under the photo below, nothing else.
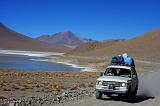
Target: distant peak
(43, 37)
(66, 33)
(2, 25)
(69, 32)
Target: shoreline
(48, 55)
(84, 69)
(30, 53)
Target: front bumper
(116, 90)
(111, 91)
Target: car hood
(114, 78)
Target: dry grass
(2, 83)
(3, 97)
(27, 86)
(11, 80)
(78, 86)
(75, 88)
(16, 87)
(91, 85)
(7, 89)
(54, 87)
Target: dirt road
(139, 101)
(148, 94)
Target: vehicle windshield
(117, 72)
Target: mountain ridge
(144, 47)
(13, 40)
(94, 45)
(67, 38)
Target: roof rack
(121, 64)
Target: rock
(52, 98)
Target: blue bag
(120, 59)
(114, 59)
(117, 60)
(129, 61)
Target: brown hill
(43, 38)
(92, 45)
(144, 47)
(61, 38)
(12, 40)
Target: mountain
(43, 38)
(143, 47)
(61, 38)
(92, 45)
(12, 40)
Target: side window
(105, 73)
(133, 71)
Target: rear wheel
(98, 95)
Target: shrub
(3, 97)
(7, 89)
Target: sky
(95, 19)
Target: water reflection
(27, 63)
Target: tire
(98, 95)
(134, 93)
(109, 95)
(128, 94)
(120, 95)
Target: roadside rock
(49, 98)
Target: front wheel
(134, 93)
(120, 95)
(128, 94)
(98, 95)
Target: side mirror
(101, 74)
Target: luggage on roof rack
(125, 61)
(117, 60)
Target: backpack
(117, 60)
(129, 61)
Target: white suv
(117, 79)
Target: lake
(22, 62)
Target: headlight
(124, 84)
(99, 82)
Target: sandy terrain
(74, 88)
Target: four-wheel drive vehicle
(117, 79)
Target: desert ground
(47, 88)
(24, 87)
